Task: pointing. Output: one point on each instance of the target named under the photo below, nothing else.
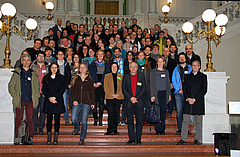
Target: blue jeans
(76, 110)
(65, 104)
(39, 122)
(179, 98)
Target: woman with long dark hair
(98, 69)
(83, 97)
(53, 89)
(144, 68)
(114, 97)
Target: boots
(81, 142)
(100, 122)
(55, 140)
(49, 138)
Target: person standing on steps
(160, 92)
(83, 96)
(98, 69)
(53, 89)
(134, 88)
(24, 89)
(194, 88)
(114, 96)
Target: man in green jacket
(24, 89)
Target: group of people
(77, 70)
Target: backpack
(23, 131)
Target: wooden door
(107, 7)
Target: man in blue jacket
(179, 73)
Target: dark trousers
(146, 104)
(99, 101)
(124, 114)
(56, 120)
(171, 103)
(113, 108)
(39, 122)
(162, 106)
(29, 115)
(136, 110)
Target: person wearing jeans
(179, 73)
(83, 96)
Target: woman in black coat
(53, 89)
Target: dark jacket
(171, 64)
(67, 74)
(127, 89)
(194, 57)
(195, 86)
(83, 91)
(152, 62)
(55, 88)
(93, 72)
(153, 86)
(33, 53)
(146, 73)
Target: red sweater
(134, 84)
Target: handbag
(153, 116)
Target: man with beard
(147, 51)
(179, 73)
(174, 52)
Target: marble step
(108, 148)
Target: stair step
(73, 147)
(123, 137)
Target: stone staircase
(97, 142)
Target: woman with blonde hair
(98, 69)
(83, 97)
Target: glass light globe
(31, 24)
(49, 6)
(165, 9)
(187, 27)
(0, 14)
(8, 9)
(221, 20)
(0, 24)
(218, 30)
(208, 15)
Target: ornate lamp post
(49, 6)
(9, 11)
(166, 10)
(214, 34)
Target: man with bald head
(191, 56)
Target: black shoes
(130, 142)
(100, 122)
(160, 133)
(95, 123)
(76, 132)
(139, 142)
(112, 133)
(178, 132)
(35, 131)
(49, 138)
(55, 139)
(81, 142)
(67, 123)
(181, 142)
(40, 131)
(196, 142)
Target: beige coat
(109, 86)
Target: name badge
(119, 78)
(44, 71)
(76, 70)
(185, 72)
(143, 68)
(139, 83)
(163, 75)
(29, 78)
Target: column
(138, 7)
(60, 6)
(152, 7)
(121, 7)
(216, 118)
(6, 112)
(75, 6)
(92, 9)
